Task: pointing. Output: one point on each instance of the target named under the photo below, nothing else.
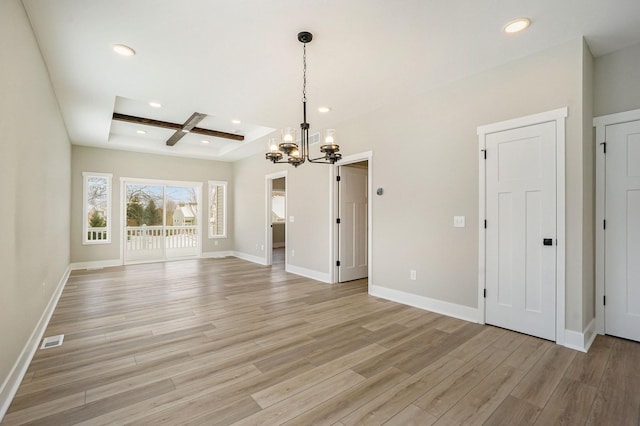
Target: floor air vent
(52, 342)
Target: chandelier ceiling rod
(297, 155)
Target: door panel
(622, 239)
(353, 238)
(521, 212)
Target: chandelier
(288, 146)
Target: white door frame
(268, 231)
(558, 116)
(601, 123)
(334, 211)
(159, 182)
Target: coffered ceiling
(241, 60)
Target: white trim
(558, 115)
(601, 123)
(85, 212)
(334, 211)
(250, 258)
(12, 382)
(217, 254)
(462, 312)
(95, 264)
(268, 233)
(581, 341)
(309, 273)
(225, 185)
(528, 120)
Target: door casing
(558, 116)
(333, 213)
(268, 234)
(601, 123)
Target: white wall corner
(581, 341)
(216, 254)
(12, 382)
(462, 312)
(250, 258)
(97, 264)
(309, 273)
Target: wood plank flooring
(224, 341)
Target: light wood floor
(221, 341)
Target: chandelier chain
(304, 72)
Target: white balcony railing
(96, 234)
(141, 238)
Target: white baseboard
(216, 254)
(581, 341)
(250, 258)
(438, 306)
(96, 264)
(309, 273)
(278, 245)
(13, 380)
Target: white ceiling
(240, 59)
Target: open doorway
(353, 218)
(276, 219)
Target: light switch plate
(458, 221)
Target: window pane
(97, 198)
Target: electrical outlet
(215, 242)
(262, 247)
(291, 219)
(412, 275)
(293, 252)
(256, 246)
(458, 221)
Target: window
(217, 209)
(277, 207)
(96, 218)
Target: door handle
(547, 241)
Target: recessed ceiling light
(517, 25)
(205, 142)
(142, 132)
(123, 50)
(236, 121)
(324, 109)
(155, 104)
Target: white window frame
(224, 185)
(85, 211)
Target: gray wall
(425, 156)
(34, 186)
(588, 201)
(137, 165)
(617, 81)
(307, 202)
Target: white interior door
(521, 230)
(353, 238)
(622, 233)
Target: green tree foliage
(96, 220)
(152, 215)
(135, 212)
